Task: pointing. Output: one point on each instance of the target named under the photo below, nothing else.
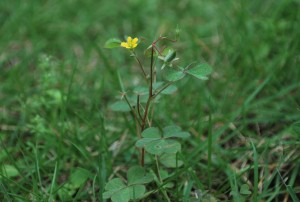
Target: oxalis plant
(160, 143)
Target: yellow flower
(130, 44)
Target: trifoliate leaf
(200, 71)
(118, 191)
(112, 43)
(156, 143)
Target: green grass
(57, 131)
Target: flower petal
(125, 45)
(129, 39)
(135, 40)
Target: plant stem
(162, 89)
(132, 110)
(143, 126)
(151, 73)
(160, 180)
(145, 117)
(157, 167)
(138, 106)
(140, 65)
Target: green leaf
(170, 56)
(9, 171)
(151, 132)
(171, 129)
(112, 187)
(118, 191)
(169, 90)
(245, 189)
(174, 131)
(155, 147)
(170, 161)
(112, 43)
(120, 106)
(200, 71)
(173, 75)
(210, 199)
(141, 90)
(136, 191)
(144, 141)
(122, 195)
(158, 85)
(136, 175)
(115, 184)
(172, 147)
(158, 147)
(155, 143)
(77, 179)
(163, 174)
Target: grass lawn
(61, 141)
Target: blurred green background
(57, 81)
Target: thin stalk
(151, 74)
(162, 89)
(132, 110)
(140, 65)
(209, 152)
(157, 167)
(53, 182)
(138, 106)
(164, 38)
(145, 117)
(161, 181)
(143, 128)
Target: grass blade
(255, 184)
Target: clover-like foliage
(157, 143)
(134, 188)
